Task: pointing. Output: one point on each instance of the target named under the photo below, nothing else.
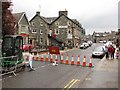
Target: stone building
(56, 30)
(104, 36)
(22, 26)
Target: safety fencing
(63, 59)
(8, 65)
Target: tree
(8, 21)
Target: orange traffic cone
(84, 61)
(78, 61)
(72, 62)
(47, 57)
(37, 57)
(62, 60)
(90, 64)
(67, 62)
(56, 59)
(42, 58)
(51, 59)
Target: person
(113, 51)
(31, 61)
(106, 52)
(117, 54)
(110, 51)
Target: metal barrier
(8, 65)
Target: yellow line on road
(70, 84)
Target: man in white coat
(31, 61)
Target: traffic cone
(56, 61)
(62, 60)
(90, 63)
(72, 62)
(67, 62)
(47, 57)
(37, 57)
(84, 61)
(78, 61)
(51, 59)
(42, 58)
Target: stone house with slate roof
(46, 31)
(22, 25)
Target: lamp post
(50, 33)
(72, 36)
(38, 37)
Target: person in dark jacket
(113, 52)
(106, 52)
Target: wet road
(48, 76)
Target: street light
(50, 33)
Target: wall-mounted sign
(62, 26)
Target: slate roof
(18, 16)
(49, 20)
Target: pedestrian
(110, 51)
(106, 52)
(113, 52)
(117, 54)
(31, 61)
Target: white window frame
(33, 23)
(33, 30)
(41, 24)
(41, 32)
(69, 31)
(56, 31)
(41, 40)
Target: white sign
(62, 26)
(69, 36)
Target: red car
(26, 47)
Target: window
(41, 24)
(68, 23)
(57, 23)
(34, 31)
(41, 40)
(41, 32)
(69, 32)
(33, 23)
(56, 31)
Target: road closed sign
(54, 50)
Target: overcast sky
(94, 15)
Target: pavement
(104, 75)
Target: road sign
(54, 50)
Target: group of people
(110, 52)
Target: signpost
(54, 50)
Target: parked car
(89, 43)
(84, 46)
(26, 47)
(99, 52)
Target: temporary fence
(8, 65)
